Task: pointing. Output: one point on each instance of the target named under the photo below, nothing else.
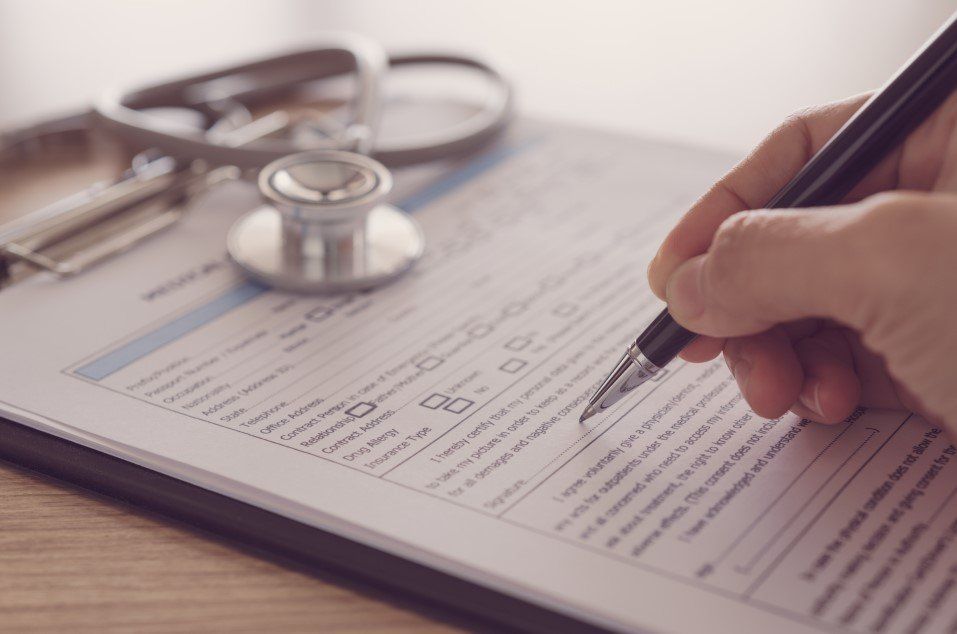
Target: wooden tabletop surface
(72, 561)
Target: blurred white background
(714, 73)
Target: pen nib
(590, 411)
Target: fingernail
(741, 372)
(810, 397)
(684, 293)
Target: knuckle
(803, 122)
(729, 252)
(795, 125)
(737, 232)
(799, 118)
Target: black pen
(876, 129)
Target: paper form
(436, 418)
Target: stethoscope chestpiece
(325, 227)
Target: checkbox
(435, 401)
(518, 343)
(565, 309)
(480, 330)
(459, 405)
(360, 409)
(429, 363)
(513, 365)
(320, 314)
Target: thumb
(768, 267)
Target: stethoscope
(325, 225)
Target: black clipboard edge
(278, 538)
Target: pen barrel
(894, 111)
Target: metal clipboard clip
(104, 219)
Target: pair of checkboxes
(441, 401)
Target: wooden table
(72, 561)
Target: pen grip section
(663, 339)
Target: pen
(879, 126)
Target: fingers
(702, 349)
(848, 263)
(831, 389)
(814, 377)
(769, 267)
(750, 184)
(882, 268)
(767, 371)
(946, 156)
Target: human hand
(819, 311)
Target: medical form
(437, 418)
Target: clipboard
(273, 536)
(72, 234)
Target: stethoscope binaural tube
(127, 113)
(462, 138)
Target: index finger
(750, 184)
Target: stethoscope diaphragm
(326, 226)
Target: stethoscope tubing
(120, 111)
